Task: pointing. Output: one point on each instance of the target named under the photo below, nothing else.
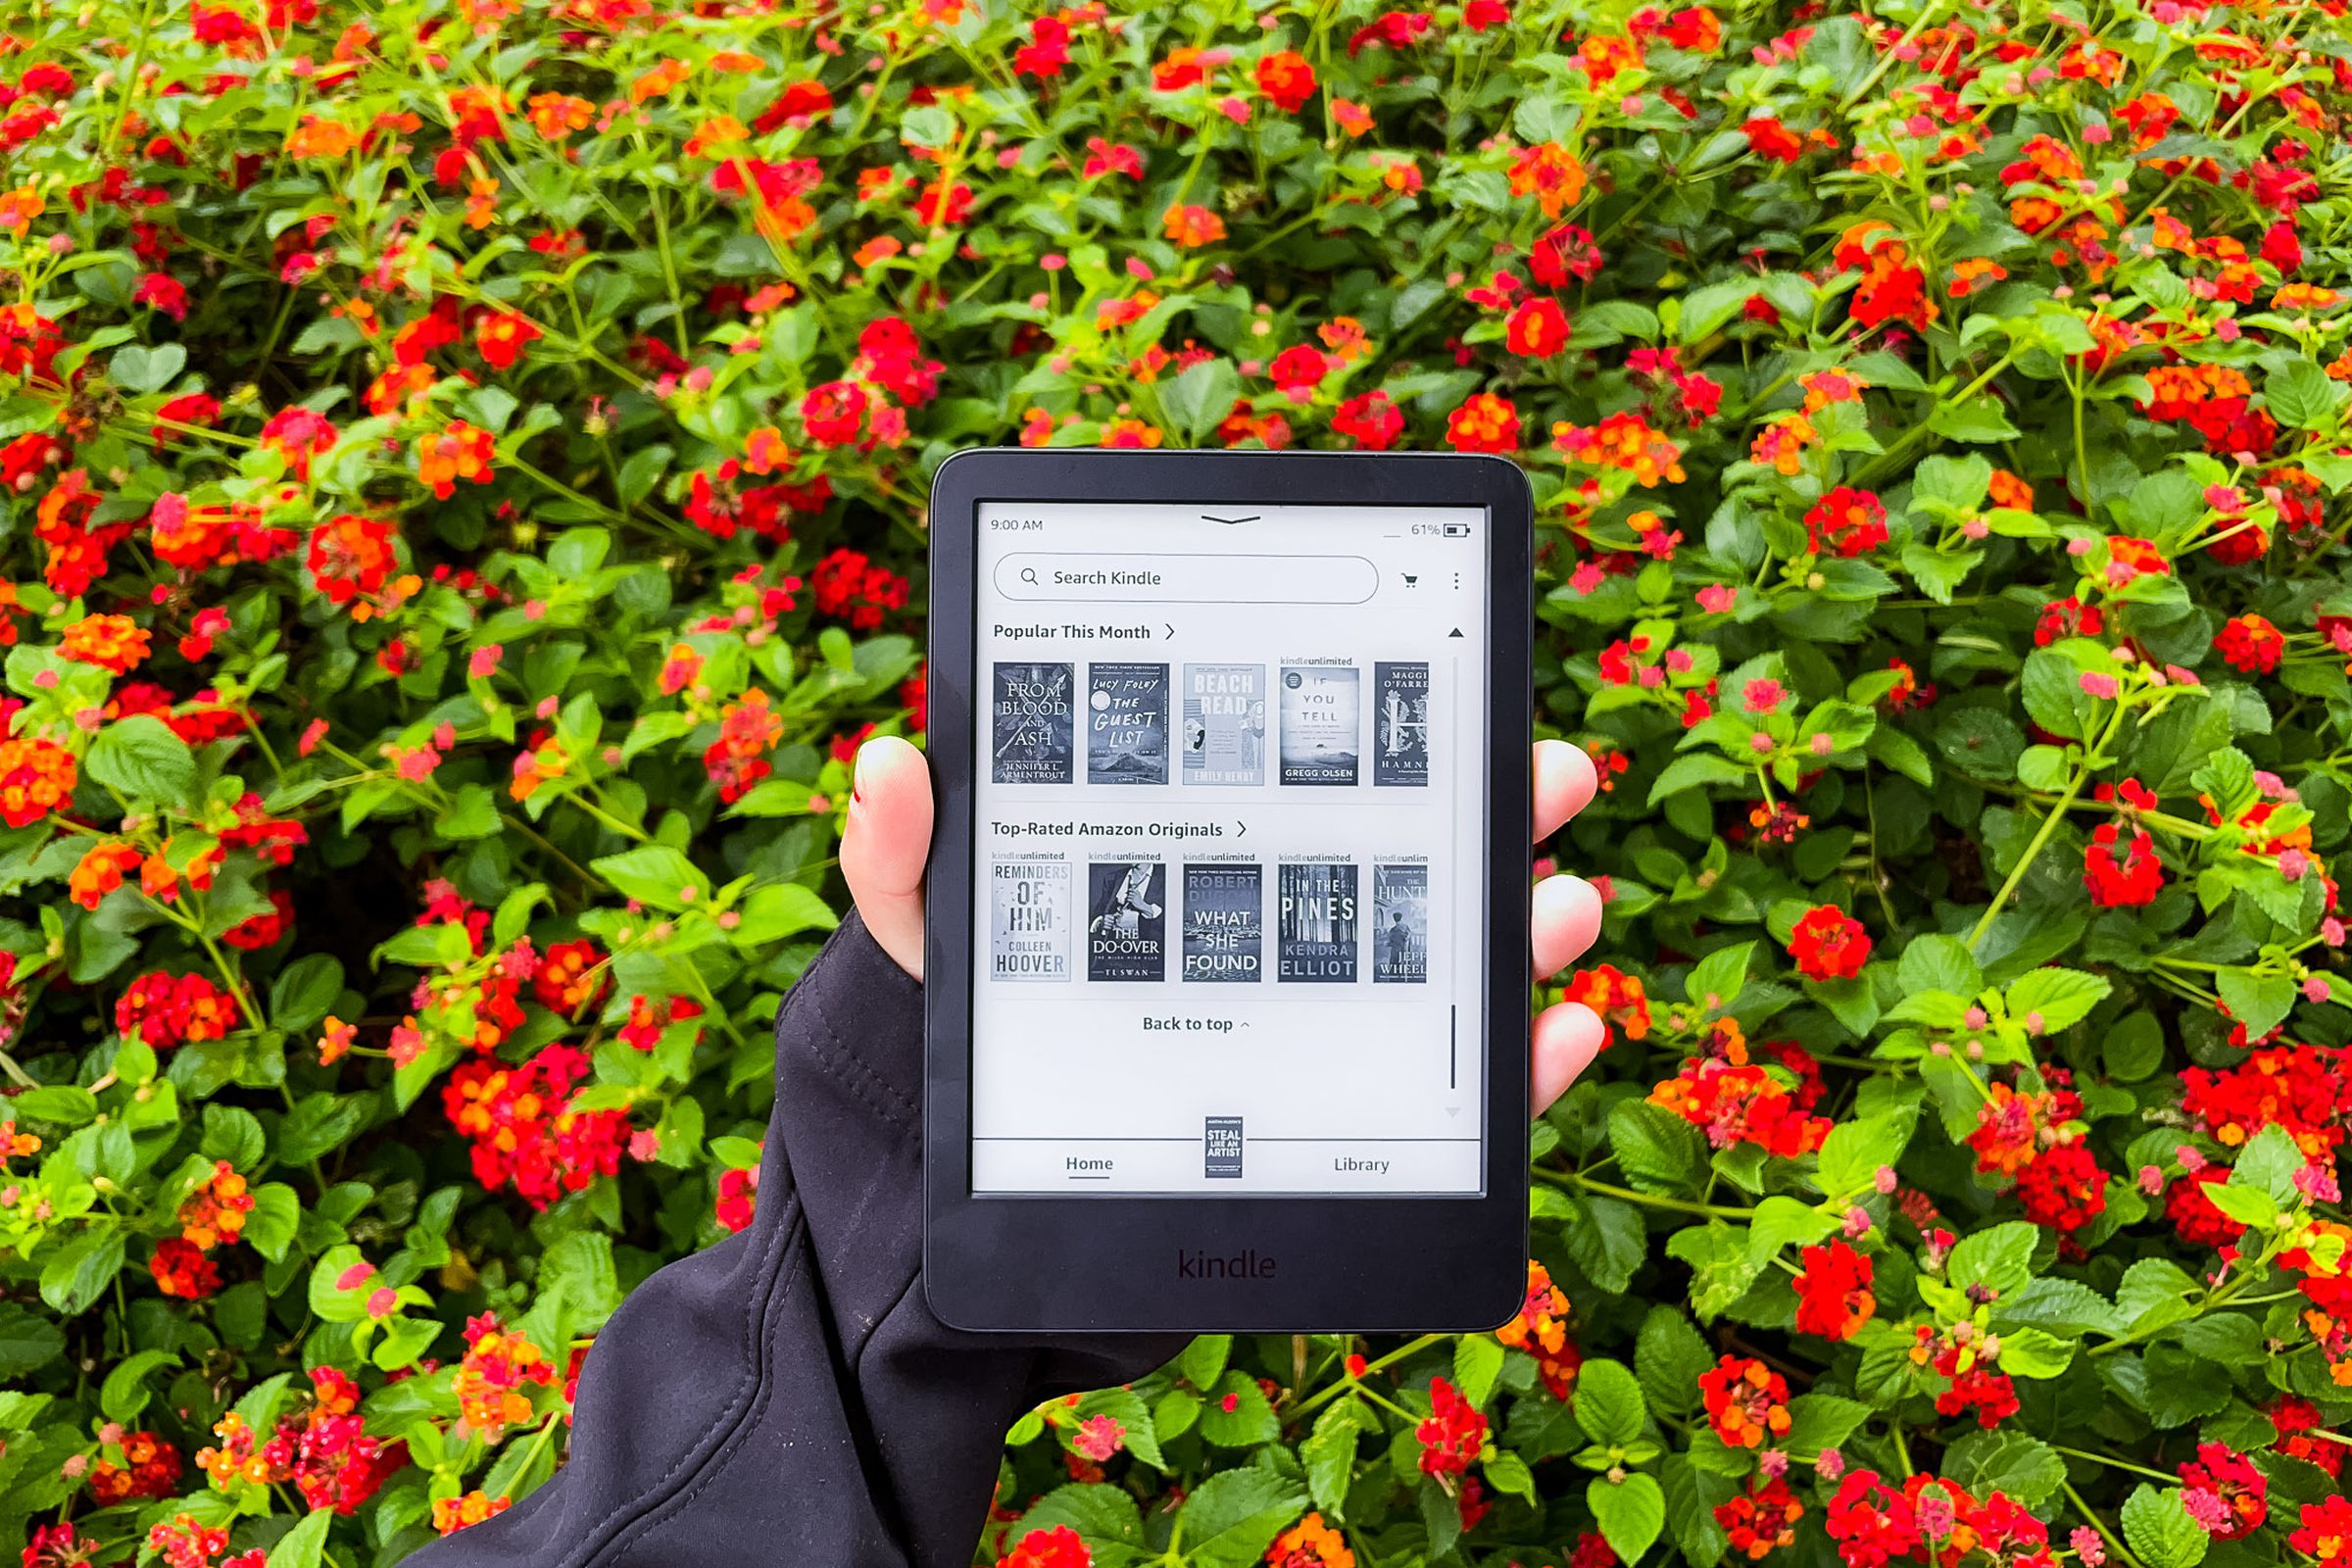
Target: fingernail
(858, 777)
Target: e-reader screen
(1229, 876)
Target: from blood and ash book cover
(1034, 717)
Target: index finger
(1565, 783)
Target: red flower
(1537, 330)
(182, 1269)
(2063, 1187)
(2125, 880)
(1484, 423)
(1048, 50)
(1371, 419)
(523, 1129)
(2326, 1533)
(2250, 643)
(1057, 1548)
(1767, 137)
(1833, 1298)
(2224, 1491)
(501, 336)
(1760, 1520)
(833, 414)
(850, 587)
(1298, 370)
(166, 1009)
(165, 292)
(1848, 522)
(1829, 943)
(738, 1198)
(37, 778)
(1617, 997)
(1748, 1402)
(1288, 78)
(1453, 1433)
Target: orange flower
(1549, 173)
(1745, 1401)
(111, 642)
(37, 778)
(214, 1212)
(335, 1039)
(557, 115)
(453, 1514)
(320, 138)
(1191, 226)
(19, 208)
(656, 82)
(1287, 78)
(1484, 423)
(100, 871)
(1617, 997)
(1310, 1543)
(460, 452)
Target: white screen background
(1083, 1083)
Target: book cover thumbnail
(1127, 925)
(1033, 716)
(1399, 723)
(1032, 927)
(1224, 922)
(1320, 712)
(1318, 923)
(1224, 724)
(1401, 924)
(1127, 724)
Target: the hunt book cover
(1224, 922)
(1127, 925)
(1127, 724)
(1320, 713)
(1034, 736)
(1318, 923)
(1224, 724)
(1400, 924)
(1032, 932)
(1399, 723)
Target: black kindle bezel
(1419, 1265)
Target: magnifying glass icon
(1029, 576)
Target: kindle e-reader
(1227, 956)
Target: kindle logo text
(1247, 1264)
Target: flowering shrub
(465, 472)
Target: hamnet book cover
(1399, 723)
(1320, 723)
(1224, 724)
(1318, 923)
(1224, 922)
(1035, 738)
(1032, 903)
(1400, 924)
(1127, 724)
(1127, 927)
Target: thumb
(883, 847)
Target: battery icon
(1458, 531)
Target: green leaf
(305, 989)
(1631, 1512)
(136, 368)
(304, 1545)
(1328, 1456)
(1477, 1362)
(1231, 1517)
(1938, 963)
(140, 758)
(1692, 1497)
(1999, 1258)
(1105, 1516)
(1980, 419)
(2009, 1462)
(1818, 1421)
(1247, 1423)
(2297, 393)
(2062, 997)
(79, 1272)
(656, 876)
(1609, 1404)
(1668, 1358)
(1197, 399)
(1658, 1150)
(1716, 980)
(1853, 1152)
(125, 1393)
(2260, 1002)
(2159, 1530)
(1204, 1358)
(27, 1341)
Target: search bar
(1219, 580)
